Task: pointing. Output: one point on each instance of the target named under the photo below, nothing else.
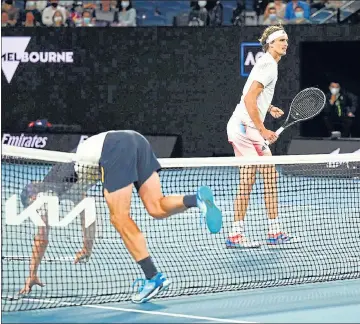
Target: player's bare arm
(253, 110)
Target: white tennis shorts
(246, 140)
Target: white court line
(128, 310)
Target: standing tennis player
(126, 159)
(63, 182)
(247, 134)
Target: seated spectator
(339, 111)
(126, 17)
(238, 16)
(30, 20)
(279, 6)
(12, 12)
(299, 17)
(76, 13)
(105, 14)
(215, 10)
(87, 20)
(48, 13)
(35, 17)
(4, 19)
(273, 18)
(58, 19)
(292, 5)
(199, 15)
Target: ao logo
(250, 53)
(251, 59)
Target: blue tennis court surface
(332, 302)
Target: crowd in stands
(130, 13)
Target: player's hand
(82, 256)
(350, 114)
(30, 282)
(269, 135)
(276, 112)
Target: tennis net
(318, 204)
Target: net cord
(54, 156)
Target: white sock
(237, 228)
(274, 226)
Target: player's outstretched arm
(88, 241)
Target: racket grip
(278, 132)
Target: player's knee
(155, 210)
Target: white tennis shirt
(264, 71)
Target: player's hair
(267, 32)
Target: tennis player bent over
(61, 181)
(126, 159)
(247, 134)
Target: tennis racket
(307, 104)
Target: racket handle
(278, 132)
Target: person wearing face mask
(272, 18)
(199, 15)
(299, 17)
(48, 13)
(291, 8)
(126, 16)
(86, 19)
(58, 19)
(339, 111)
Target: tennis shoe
(240, 241)
(208, 210)
(148, 289)
(278, 238)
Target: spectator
(215, 10)
(126, 15)
(34, 18)
(339, 111)
(12, 12)
(4, 19)
(76, 13)
(30, 20)
(279, 6)
(199, 15)
(58, 19)
(105, 15)
(273, 18)
(87, 20)
(299, 17)
(292, 5)
(48, 13)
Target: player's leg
(160, 206)
(119, 207)
(242, 147)
(270, 177)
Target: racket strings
(307, 104)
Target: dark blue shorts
(126, 158)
